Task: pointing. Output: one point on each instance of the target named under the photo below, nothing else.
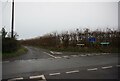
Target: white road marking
(49, 54)
(88, 54)
(51, 74)
(118, 65)
(93, 69)
(65, 56)
(83, 55)
(38, 76)
(74, 55)
(58, 52)
(91, 54)
(14, 79)
(55, 52)
(58, 57)
(105, 53)
(97, 54)
(75, 71)
(52, 52)
(107, 67)
(29, 60)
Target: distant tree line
(77, 38)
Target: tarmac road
(41, 62)
(33, 53)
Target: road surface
(33, 53)
(42, 62)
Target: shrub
(10, 45)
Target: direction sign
(92, 39)
(105, 43)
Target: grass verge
(84, 49)
(19, 52)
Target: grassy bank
(19, 52)
(84, 49)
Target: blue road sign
(92, 39)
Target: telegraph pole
(12, 24)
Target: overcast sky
(34, 19)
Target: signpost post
(12, 26)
